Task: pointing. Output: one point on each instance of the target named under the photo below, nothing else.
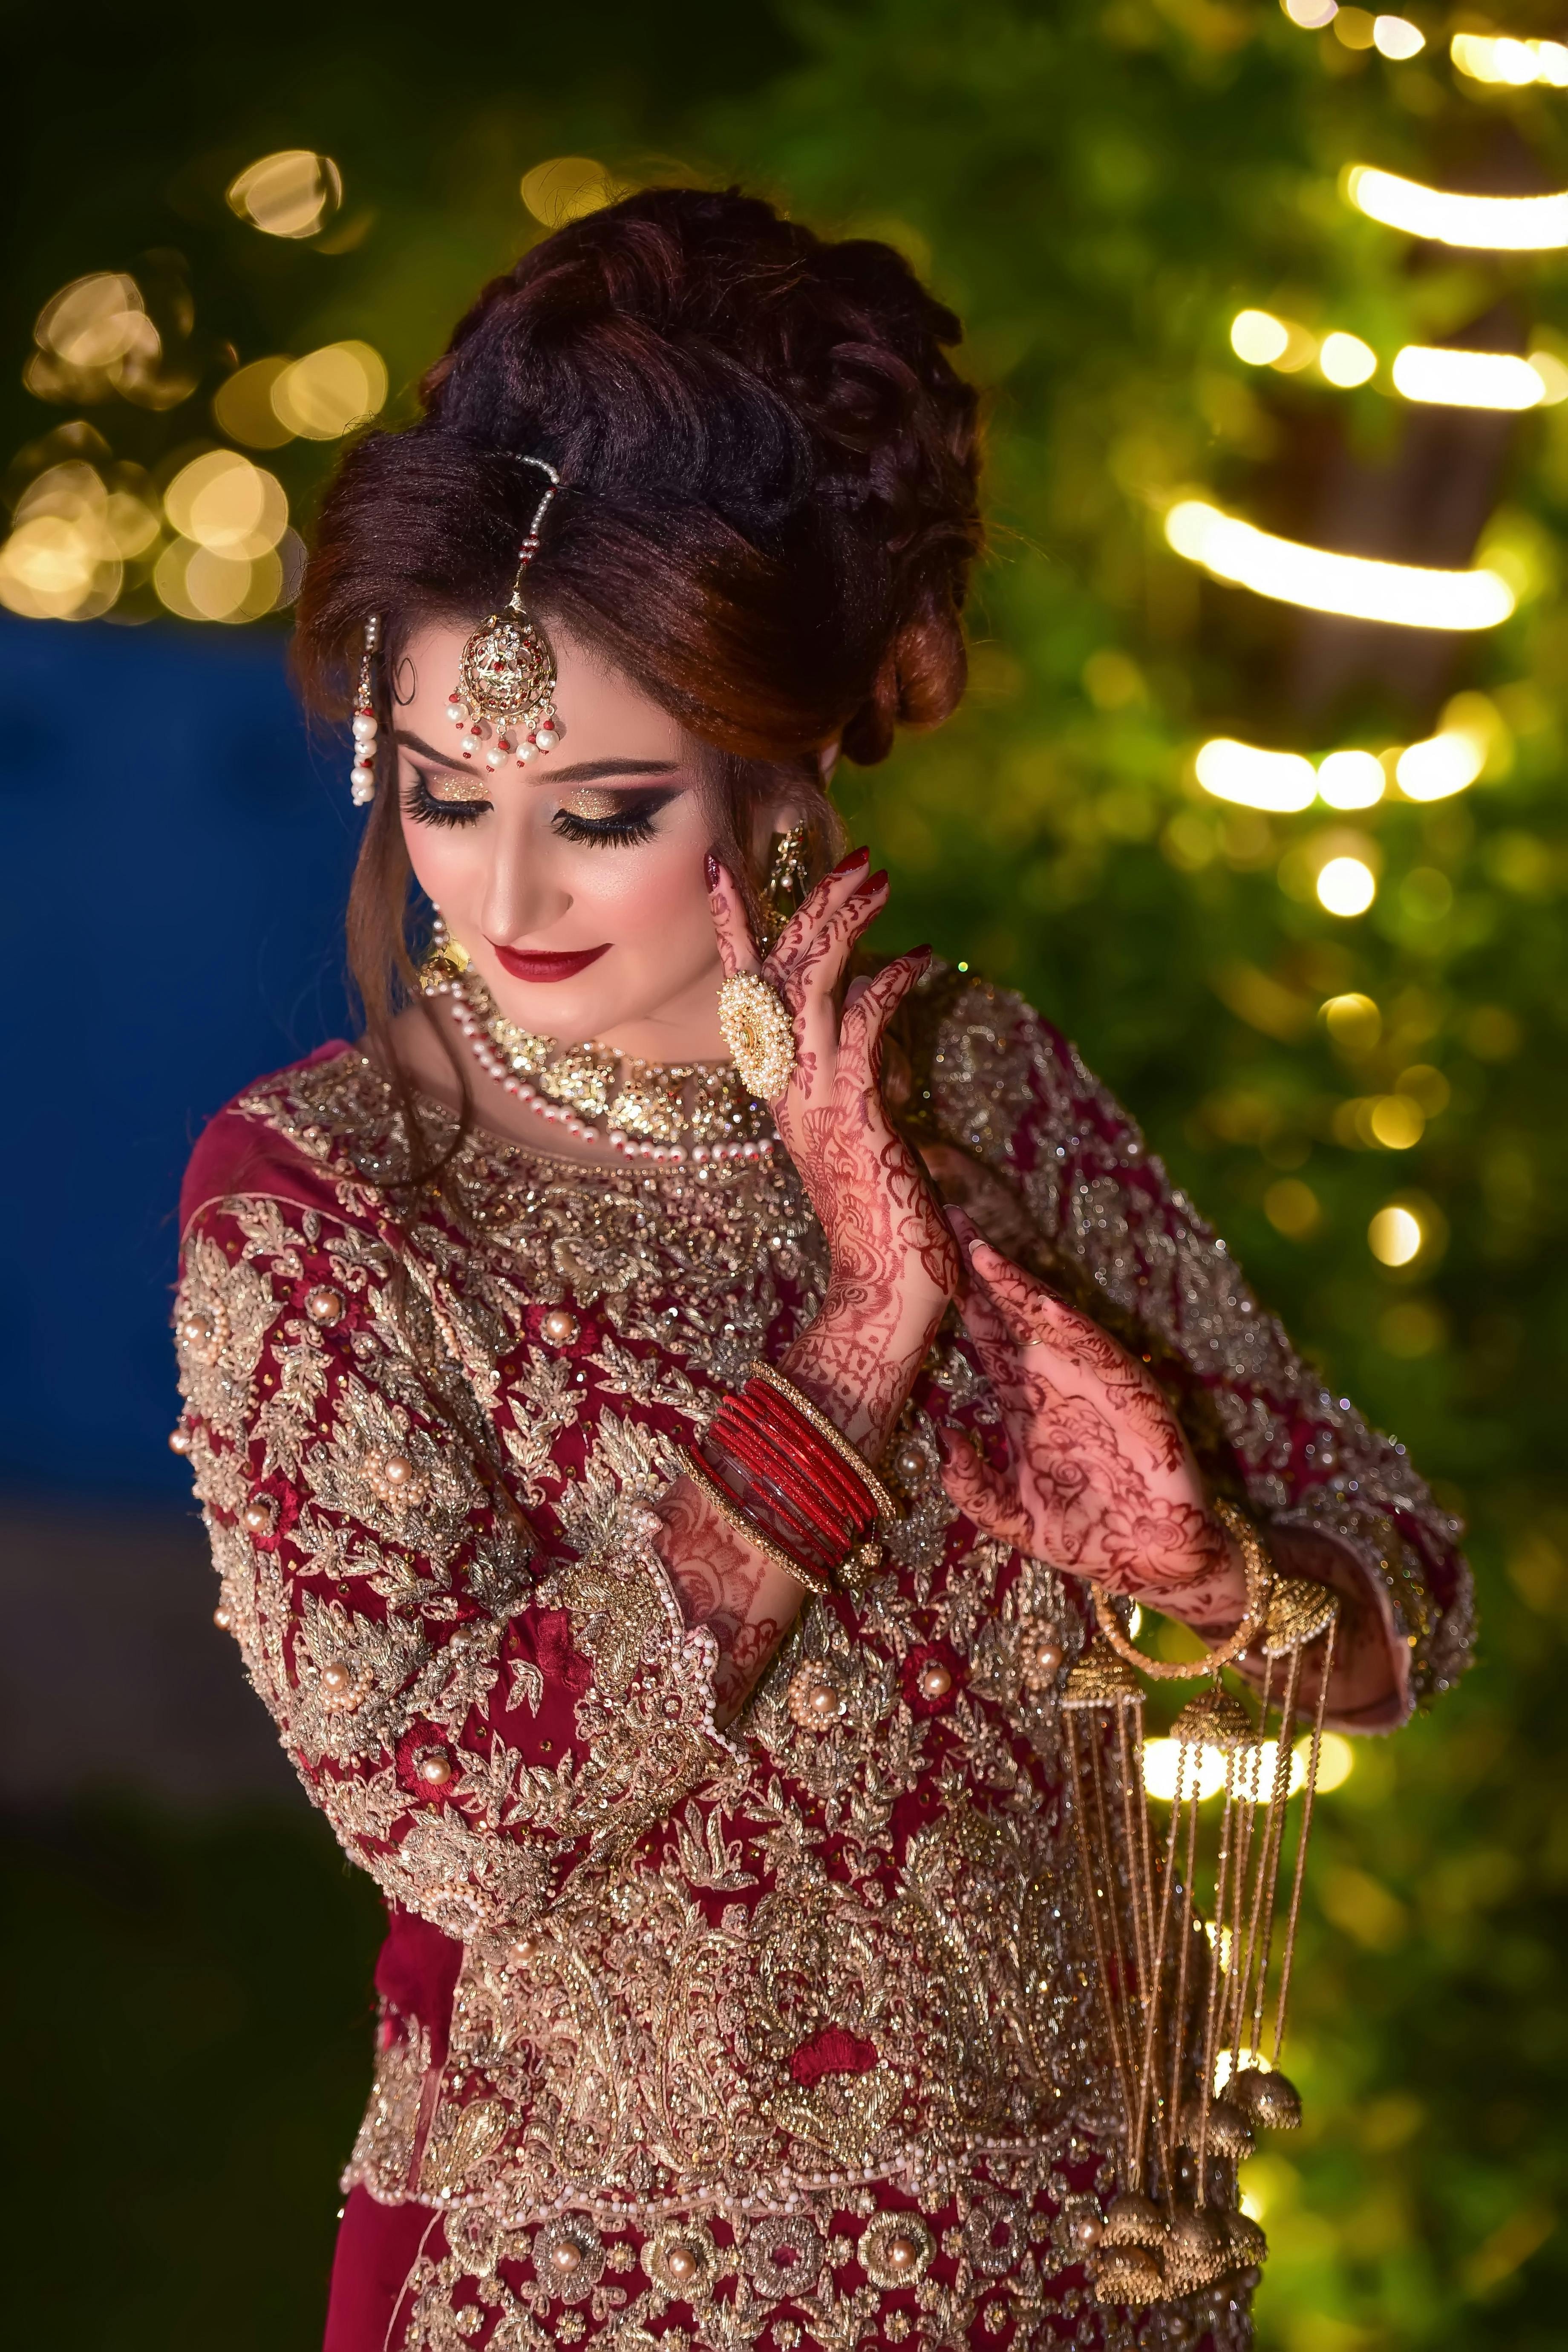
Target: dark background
(1098, 185)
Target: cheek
(445, 859)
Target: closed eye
(468, 801)
(613, 820)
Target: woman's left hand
(1100, 1480)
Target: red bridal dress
(780, 2036)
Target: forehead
(602, 709)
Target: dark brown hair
(768, 514)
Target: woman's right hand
(893, 1262)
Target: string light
(1406, 595)
(1444, 764)
(1459, 379)
(1495, 58)
(1281, 782)
(1397, 39)
(1350, 779)
(1493, 224)
(1346, 360)
(1394, 1235)
(1346, 886)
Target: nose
(523, 897)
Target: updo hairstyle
(767, 518)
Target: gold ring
(759, 1034)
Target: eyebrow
(585, 771)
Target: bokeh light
(1346, 886)
(223, 503)
(1442, 766)
(1352, 780)
(243, 405)
(1258, 337)
(1281, 782)
(1352, 1021)
(566, 188)
(71, 536)
(1397, 37)
(1459, 378)
(293, 193)
(329, 392)
(1345, 360)
(1310, 15)
(1407, 594)
(1487, 223)
(1394, 1235)
(1489, 57)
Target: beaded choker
(668, 1111)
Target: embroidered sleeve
(1063, 1169)
(479, 1705)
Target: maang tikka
(505, 694)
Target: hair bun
(771, 462)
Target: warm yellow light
(1346, 886)
(1160, 1760)
(1310, 15)
(228, 504)
(292, 193)
(1554, 377)
(1394, 1235)
(1397, 37)
(1292, 1209)
(1456, 379)
(1258, 337)
(1440, 766)
(1350, 779)
(1352, 1021)
(1488, 58)
(1396, 1122)
(1353, 28)
(328, 391)
(1405, 594)
(1281, 782)
(1495, 223)
(1336, 1760)
(56, 568)
(1345, 360)
(566, 188)
(242, 405)
(94, 320)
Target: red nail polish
(711, 869)
(856, 857)
(877, 879)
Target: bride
(658, 1397)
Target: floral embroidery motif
(729, 2007)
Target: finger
(818, 967)
(981, 1493)
(1035, 1316)
(868, 1007)
(829, 895)
(737, 948)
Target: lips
(539, 963)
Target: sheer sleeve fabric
(1061, 1174)
(482, 1702)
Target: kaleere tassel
(1187, 2006)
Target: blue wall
(176, 855)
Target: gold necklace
(668, 1111)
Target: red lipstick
(540, 963)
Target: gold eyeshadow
(593, 806)
(447, 786)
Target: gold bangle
(1259, 1574)
(724, 1502)
(886, 1506)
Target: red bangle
(795, 1434)
(734, 1435)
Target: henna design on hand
(1100, 1480)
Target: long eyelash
(632, 824)
(422, 805)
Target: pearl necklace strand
(472, 1025)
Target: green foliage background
(1097, 188)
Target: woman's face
(576, 883)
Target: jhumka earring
(785, 883)
(505, 695)
(362, 775)
(1185, 2006)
